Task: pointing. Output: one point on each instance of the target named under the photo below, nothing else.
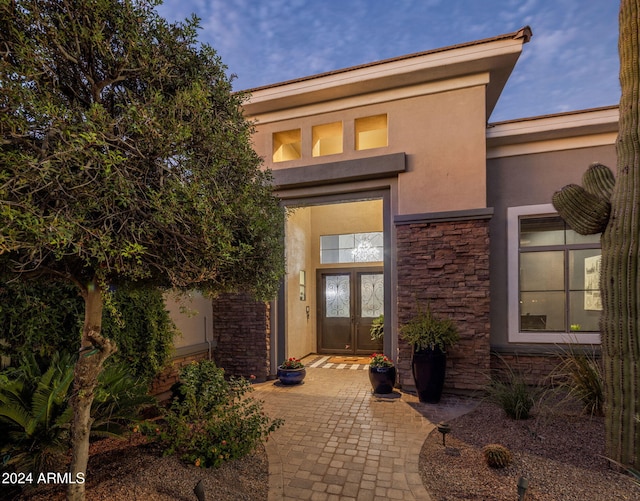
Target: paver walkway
(340, 442)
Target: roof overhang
(495, 56)
(593, 127)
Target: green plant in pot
(430, 336)
(377, 328)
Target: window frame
(513, 285)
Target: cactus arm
(583, 211)
(599, 180)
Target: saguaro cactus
(614, 209)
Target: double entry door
(349, 299)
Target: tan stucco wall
(301, 332)
(442, 135)
(192, 315)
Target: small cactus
(497, 456)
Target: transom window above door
(352, 248)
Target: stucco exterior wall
(442, 135)
(527, 180)
(193, 317)
(301, 338)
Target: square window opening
(371, 132)
(327, 139)
(287, 145)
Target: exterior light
(444, 428)
(523, 483)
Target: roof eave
(556, 126)
(497, 56)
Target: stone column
(444, 262)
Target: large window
(553, 279)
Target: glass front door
(348, 301)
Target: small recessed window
(286, 145)
(371, 132)
(327, 139)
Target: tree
(125, 159)
(611, 206)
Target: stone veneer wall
(446, 264)
(241, 330)
(533, 367)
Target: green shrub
(579, 376)
(213, 420)
(25, 307)
(118, 401)
(511, 392)
(497, 456)
(141, 326)
(146, 335)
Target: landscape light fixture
(444, 428)
(523, 483)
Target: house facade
(399, 197)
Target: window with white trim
(554, 272)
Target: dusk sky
(571, 63)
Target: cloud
(571, 62)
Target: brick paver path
(340, 442)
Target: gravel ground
(134, 470)
(559, 453)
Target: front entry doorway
(349, 299)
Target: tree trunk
(620, 321)
(94, 350)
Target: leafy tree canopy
(125, 155)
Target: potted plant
(382, 373)
(429, 337)
(377, 328)
(291, 371)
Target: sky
(571, 62)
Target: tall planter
(429, 336)
(428, 368)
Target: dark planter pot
(428, 367)
(291, 376)
(383, 379)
